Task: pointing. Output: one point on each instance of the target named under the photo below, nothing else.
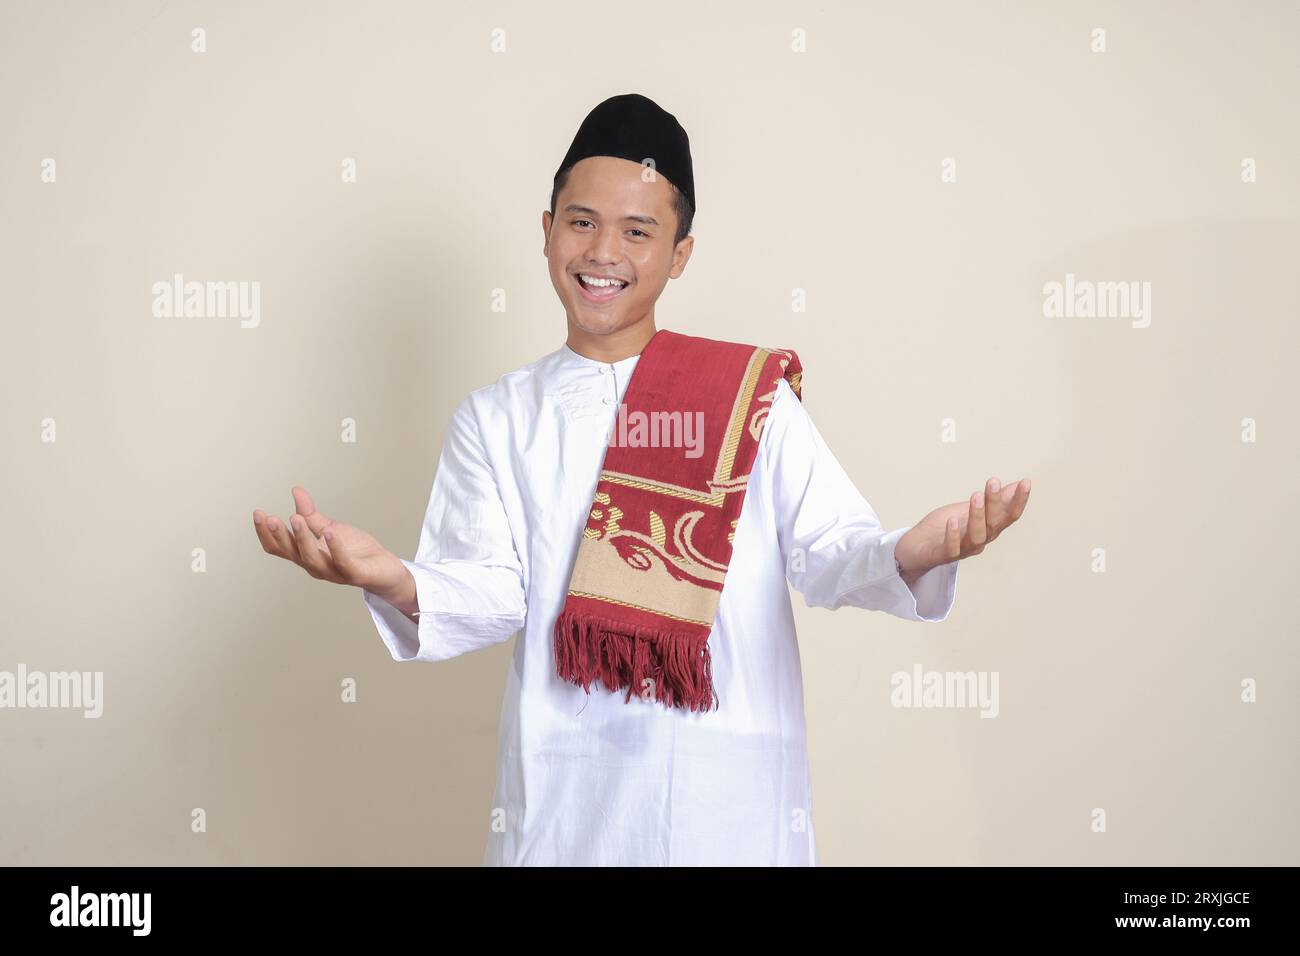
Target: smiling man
(653, 712)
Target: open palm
(327, 549)
(963, 528)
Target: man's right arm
(464, 590)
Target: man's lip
(598, 299)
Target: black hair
(681, 205)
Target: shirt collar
(570, 357)
(587, 388)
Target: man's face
(611, 223)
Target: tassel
(618, 655)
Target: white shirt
(593, 780)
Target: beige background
(817, 171)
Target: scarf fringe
(621, 655)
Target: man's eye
(637, 230)
(577, 221)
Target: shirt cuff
(931, 596)
(463, 606)
(404, 637)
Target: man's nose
(603, 247)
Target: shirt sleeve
(468, 577)
(835, 549)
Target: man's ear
(546, 231)
(681, 255)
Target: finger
(976, 531)
(271, 541)
(304, 505)
(284, 541)
(310, 550)
(340, 558)
(952, 539)
(1017, 507)
(263, 535)
(995, 508)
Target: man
(652, 715)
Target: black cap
(632, 126)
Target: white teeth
(600, 283)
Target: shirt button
(607, 400)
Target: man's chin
(594, 323)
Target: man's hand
(961, 529)
(333, 551)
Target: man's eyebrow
(588, 211)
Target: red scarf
(644, 590)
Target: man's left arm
(835, 548)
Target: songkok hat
(631, 126)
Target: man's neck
(613, 347)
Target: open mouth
(598, 288)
